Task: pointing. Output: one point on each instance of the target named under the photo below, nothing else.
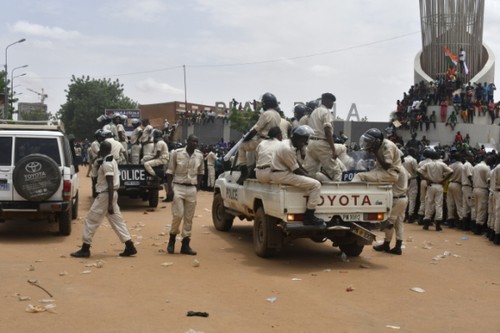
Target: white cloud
(28, 28)
(150, 85)
(144, 10)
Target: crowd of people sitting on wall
(468, 100)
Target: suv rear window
(6, 151)
(46, 146)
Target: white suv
(37, 175)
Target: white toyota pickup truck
(350, 210)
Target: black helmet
(135, 122)
(107, 134)
(303, 130)
(311, 105)
(98, 133)
(428, 152)
(299, 110)
(269, 101)
(371, 139)
(157, 134)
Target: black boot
(397, 249)
(311, 219)
(185, 249)
(171, 243)
(427, 223)
(467, 224)
(451, 223)
(496, 240)
(491, 234)
(421, 220)
(130, 249)
(438, 226)
(384, 247)
(477, 229)
(84, 252)
(243, 175)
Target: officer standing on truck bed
(321, 152)
(268, 119)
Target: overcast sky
(360, 50)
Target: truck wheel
(36, 177)
(221, 220)
(352, 249)
(153, 198)
(262, 229)
(74, 209)
(65, 222)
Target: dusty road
(303, 289)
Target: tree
(86, 99)
(243, 120)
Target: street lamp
(6, 97)
(12, 77)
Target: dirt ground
(307, 287)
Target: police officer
(427, 154)
(286, 170)
(211, 157)
(268, 119)
(147, 141)
(184, 174)
(467, 167)
(388, 159)
(321, 152)
(454, 196)
(105, 204)
(480, 176)
(265, 151)
(410, 164)
(160, 151)
(435, 173)
(396, 218)
(135, 144)
(116, 148)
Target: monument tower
(448, 26)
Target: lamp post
(12, 77)
(6, 92)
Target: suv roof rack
(47, 125)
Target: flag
(451, 58)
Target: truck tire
(153, 198)
(351, 249)
(74, 209)
(221, 220)
(65, 222)
(36, 177)
(263, 227)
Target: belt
(263, 137)
(184, 184)
(278, 170)
(315, 138)
(399, 196)
(467, 185)
(262, 167)
(455, 182)
(435, 184)
(481, 188)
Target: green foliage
(243, 120)
(86, 99)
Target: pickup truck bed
(350, 210)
